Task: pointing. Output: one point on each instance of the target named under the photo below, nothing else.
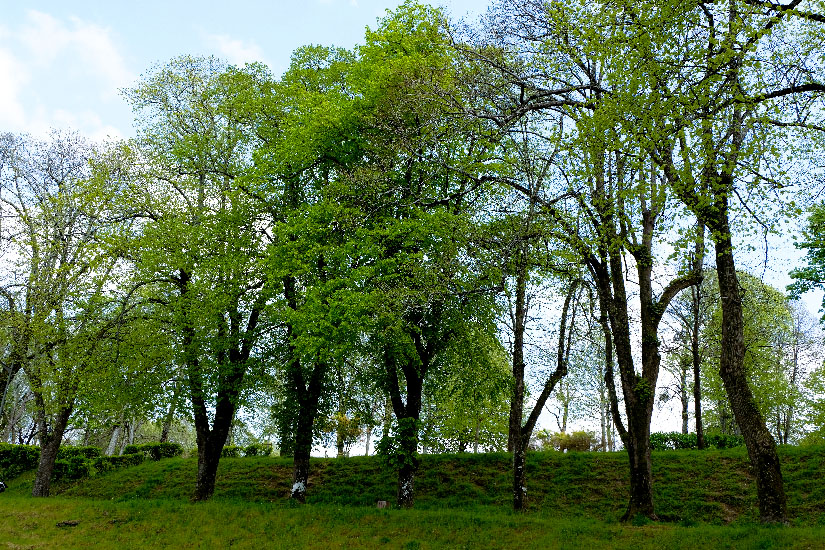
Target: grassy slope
(462, 502)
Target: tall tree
(711, 116)
(419, 206)
(611, 206)
(201, 240)
(60, 287)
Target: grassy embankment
(708, 499)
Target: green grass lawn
(708, 499)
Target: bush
(667, 441)
(67, 452)
(258, 449)
(104, 464)
(231, 451)
(561, 441)
(155, 451)
(16, 459)
(75, 467)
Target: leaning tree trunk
(761, 445)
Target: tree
(775, 358)
(813, 242)
(689, 314)
(419, 210)
(201, 240)
(60, 288)
(611, 204)
(711, 117)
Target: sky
(63, 63)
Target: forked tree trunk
(519, 433)
(49, 446)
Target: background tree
(61, 286)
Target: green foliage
(399, 447)
(155, 451)
(105, 464)
(811, 276)
(258, 449)
(231, 451)
(666, 441)
(16, 459)
(581, 441)
(70, 452)
(72, 468)
(768, 327)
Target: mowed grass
(66, 523)
(706, 499)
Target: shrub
(16, 459)
(258, 449)
(155, 451)
(231, 451)
(75, 467)
(666, 441)
(104, 464)
(66, 452)
(562, 441)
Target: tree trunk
(303, 447)
(519, 478)
(405, 496)
(638, 452)
(111, 448)
(697, 364)
(761, 445)
(683, 397)
(49, 445)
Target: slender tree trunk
(683, 397)
(526, 431)
(697, 368)
(761, 445)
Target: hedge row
(77, 462)
(155, 451)
(661, 441)
(255, 449)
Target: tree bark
(308, 396)
(697, 365)
(49, 445)
(761, 445)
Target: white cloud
(13, 77)
(237, 52)
(52, 70)
(49, 39)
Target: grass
(462, 501)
